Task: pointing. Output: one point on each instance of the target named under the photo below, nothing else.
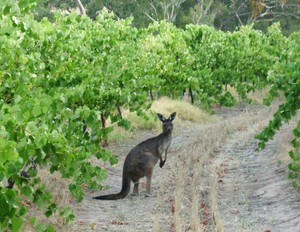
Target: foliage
(224, 15)
(53, 77)
(284, 77)
(59, 77)
(240, 59)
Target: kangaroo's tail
(124, 191)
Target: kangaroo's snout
(168, 127)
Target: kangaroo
(142, 158)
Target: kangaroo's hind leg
(148, 185)
(135, 189)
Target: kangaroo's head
(167, 123)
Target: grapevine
(61, 81)
(284, 78)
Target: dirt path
(254, 192)
(213, 181)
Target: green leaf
(36, 111)
(113, 160)
(50, 228)
(23, 210)
(296, 132)
(51, 209)
(293, 175)
(40, 227)
(16, 224)
(294, 155)
(7, 9)
(32, 220)
(1, 176)
(295, 142)
(294, 167)
(67, 213)
(4, 205)
(296, 185)
(8, 151)
(125, 124)
(28, 191)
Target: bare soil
(213, 180)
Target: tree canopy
(223, 14)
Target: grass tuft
(139, 123)
(118, 134)
(185, 110)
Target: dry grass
(139, 123)
(192, 205)
(178, 202)
(194, 185)
(256, 96)
(186, 112)
(194, 195)
(156, 225)
(58, 187)
(118, 134)
(285, 145)
(217, 219)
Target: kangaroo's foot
(161, 163)
(148, 195)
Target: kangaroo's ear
(172, 116)
(161, 117)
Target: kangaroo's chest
(164, 145)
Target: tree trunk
(191, 94)
(80, 6)
(151, 95)
(120, 112)
(182, 94)
(104, 142)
